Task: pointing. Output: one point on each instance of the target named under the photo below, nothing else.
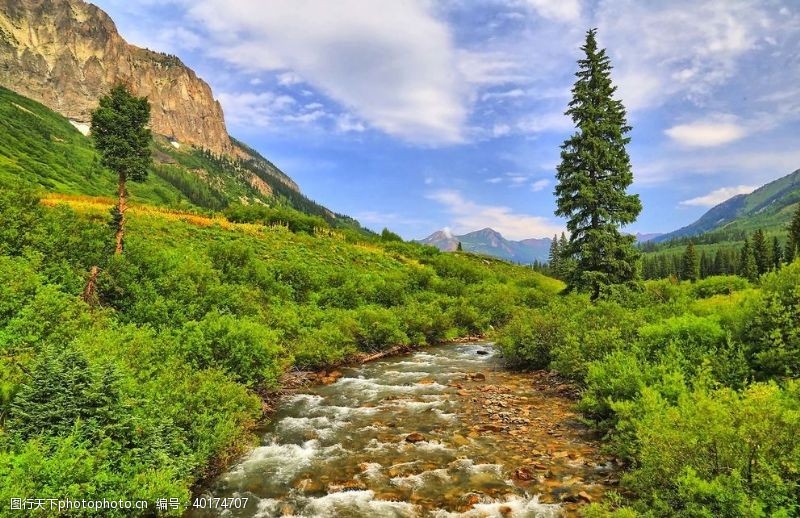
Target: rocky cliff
(68, 53)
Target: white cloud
(256, 109)
(554, 121)
(500, 130)
(560, 10)
(346, 123)
(706, 133)
(289, 79)
(539, 185)
(394, 66)
(468, 216)
(496, 179)
(718, 196)
(682, 47)
(506, 94)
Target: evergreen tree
(761, 252)
(793, 243)
(593, 177)
(777, 253)
(554, 257)
(120, 134)
(690, 267)
(747, 262)
(459, 248)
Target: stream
(442, 432)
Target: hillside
(41, 148)
(490, 242)
(769, 207)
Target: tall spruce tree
(554, 257)
(121, 135)
(593, 178)
(777, 253)
(690, 267)
(747, 262)
(793, 242)
(761, 252)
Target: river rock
(415, 437)
(523, 474)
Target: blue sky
(421, 114)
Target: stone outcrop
(68, 53)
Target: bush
(530, 336)
(719, 285)
(377, 328)
(772, 325)
(720, 454)
(244, 349)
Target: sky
(419, 115)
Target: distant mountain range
(769, 207)
(490, 242)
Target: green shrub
(530, 336)
(720, 454)
(244, 349)
(719, 285)
(377, 328)
(772, 325)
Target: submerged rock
(415, 437)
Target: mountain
(645, 237)
(769, 207)
(67, 53)
(491, 242)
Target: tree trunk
(89, 295)
(121, 208)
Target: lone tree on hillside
(121, 135)
(593, 178)
(690, 267)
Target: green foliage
(772, 328)
(719, 285)
(388, 235)
(296, 221)
(240, 347)
(121, 135)
(690, 266)
(593, 176)
(720, 453)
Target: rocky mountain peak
(66, 54)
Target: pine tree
(459, 248)
(793, 243)
(761, 252)
(120, 134)
(593, 176)
(690, 267)
(747, 262)
(554, 257)
(777, 253)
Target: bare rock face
(66, 54)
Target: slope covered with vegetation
(770, 207)
(41, 148)
(155, 385)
